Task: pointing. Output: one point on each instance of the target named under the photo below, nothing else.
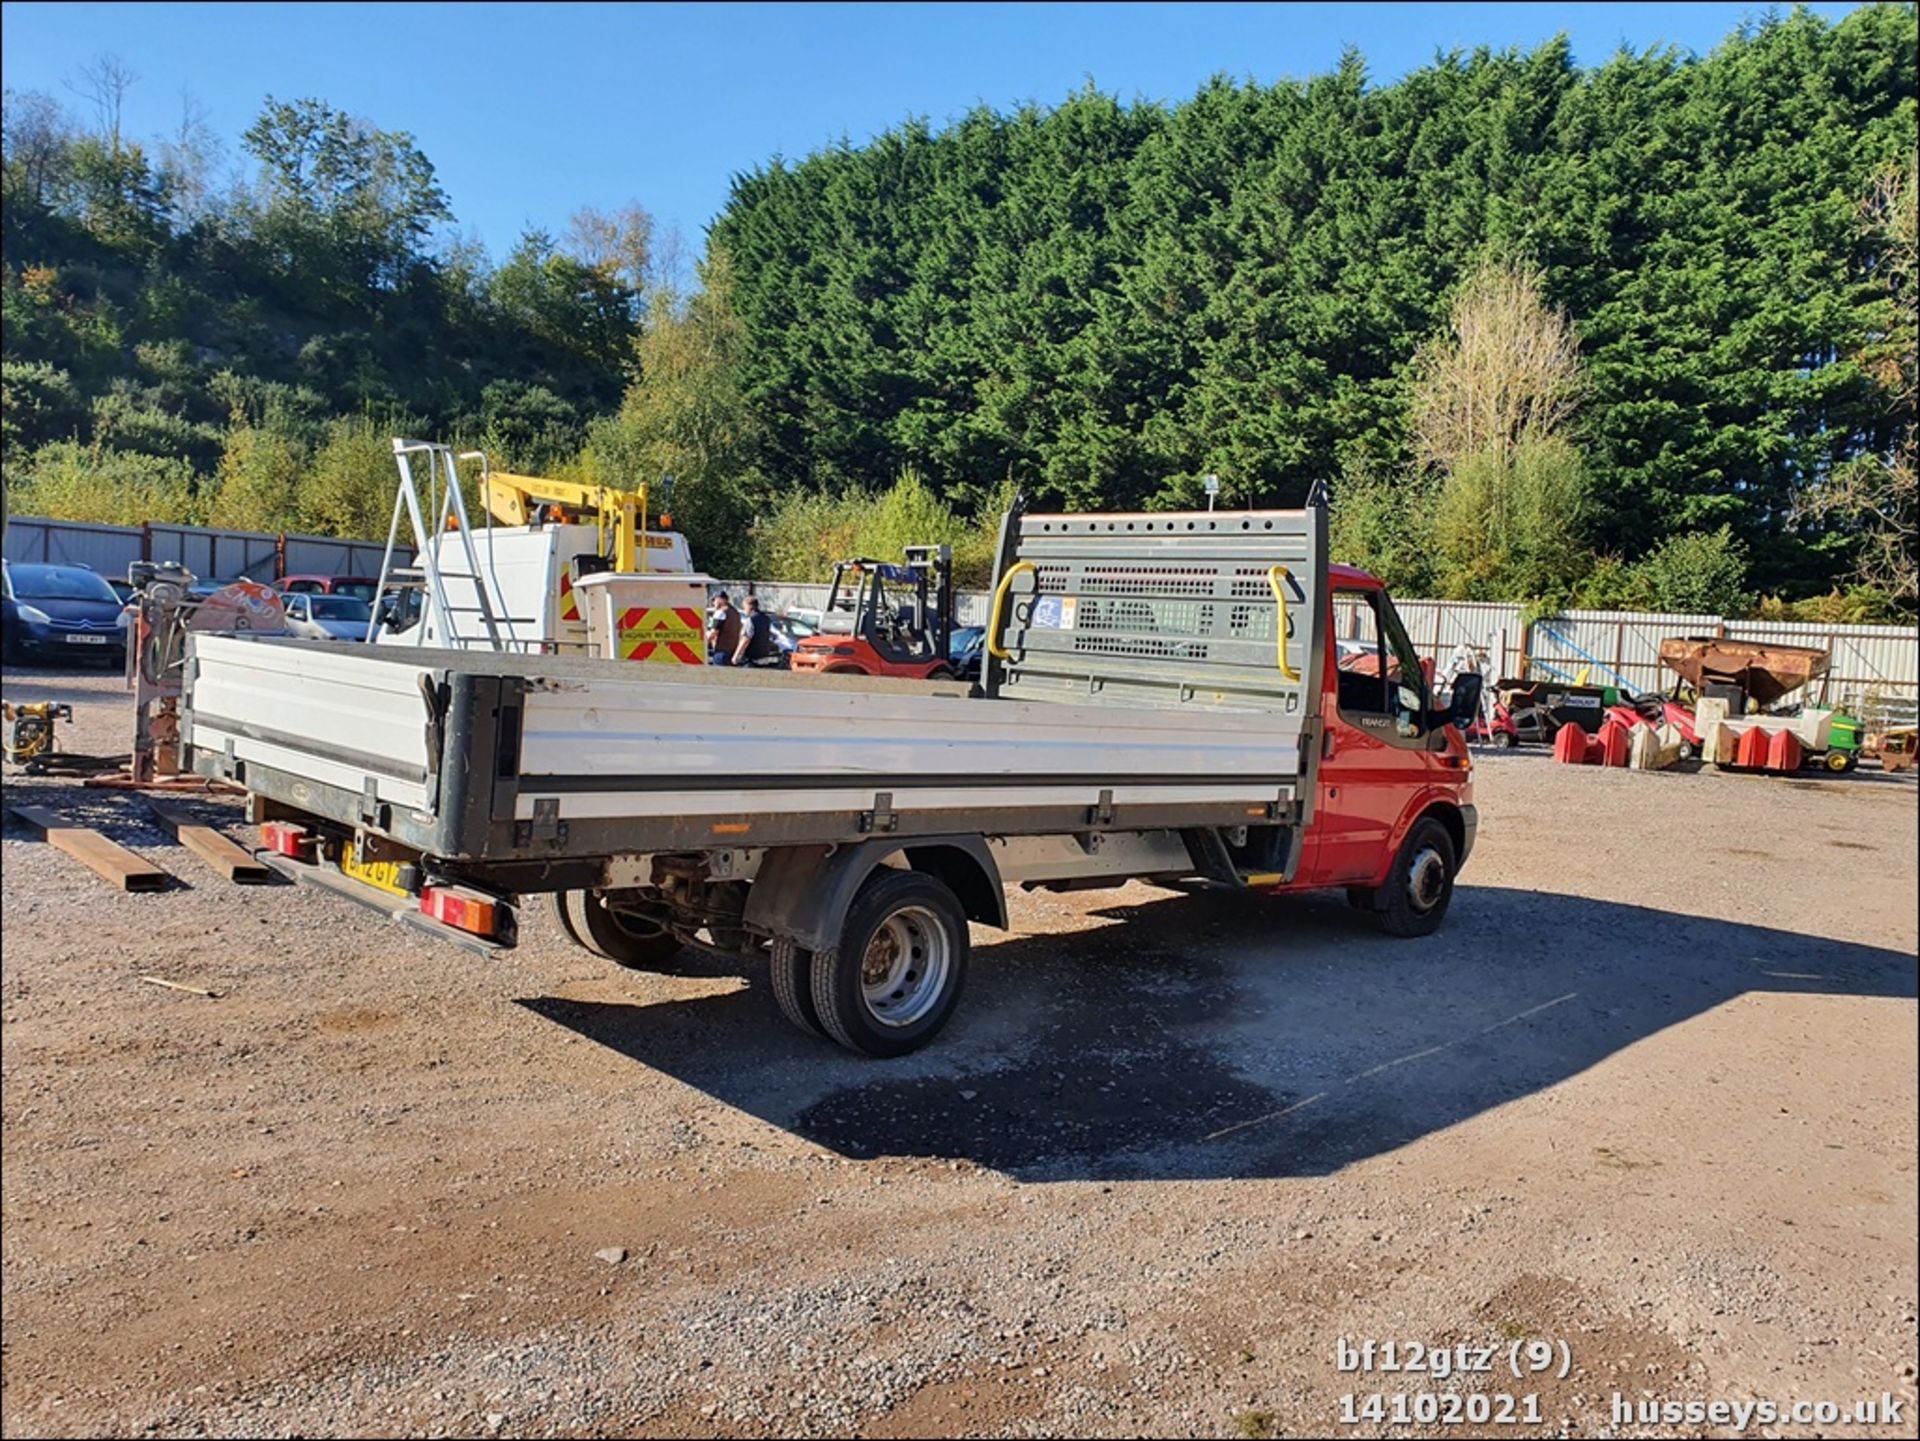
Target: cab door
(1375, 752)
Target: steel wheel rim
(1426, 879)
(638, 927)
(904, 971)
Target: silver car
(327, 617)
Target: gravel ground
(1651, 1092)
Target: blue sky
(530, 111)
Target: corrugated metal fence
(969, 606)
(214, 554)
(1867, 660)
(1610, 646)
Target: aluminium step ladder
(456, 610)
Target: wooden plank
(106, 859)
(229, 859)
(177, 986)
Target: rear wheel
(1503, 740)
(624, 936)
(1840, 762)
(791, 967)
(896, 975)
(565, 904)
(1419, 888)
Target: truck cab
(1390, 762)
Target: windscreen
(59, 582)
(340, 607)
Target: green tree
(348, 487)
(1876, 495)
(685, 417)
(258, 484)
(1696, 573)
(71, 481)
(361, 200)
(1491, 415)
(38, 403)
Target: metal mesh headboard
(1161, 609)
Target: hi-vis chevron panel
(569, 602)
(663, 633)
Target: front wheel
(1503, 740)
(895, 977)
(1840, 762)
(1419, 888)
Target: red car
(360, 587)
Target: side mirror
(1465, 705)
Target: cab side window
(1378, 671)
(1359, 654)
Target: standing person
(723, 631)
(756, 634)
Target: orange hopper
(1614, 743)
(1783, 752)
(1570, 745)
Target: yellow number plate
(384, 874)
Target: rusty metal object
(1765, 671)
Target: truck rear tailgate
(316, 710)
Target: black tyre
(791, 967)
(565, 904)
(1419, 888)
(1688, 750)
(897, 973)
(1503, 740)
(624, 939)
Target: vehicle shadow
(1232, 1035)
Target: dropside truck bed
(1149, 708)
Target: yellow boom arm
(511, 500)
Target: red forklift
(886, 619)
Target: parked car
(966, 650)
(360, 587)
(121, 588)
(60, 610)
(201, 589)
(789, 630)
(327, 617)
(399, 609)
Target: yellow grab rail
(1274, 577)
(994, 648)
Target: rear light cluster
(459, 907)
(284, 838)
